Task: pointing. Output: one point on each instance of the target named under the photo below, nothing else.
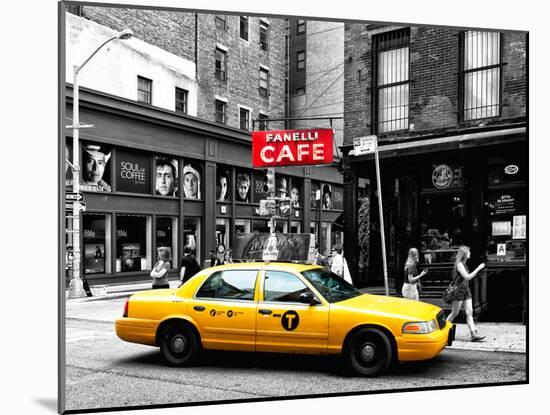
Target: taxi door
(225, 309)
(283, 323)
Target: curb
(486, 349)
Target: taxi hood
(409, 310)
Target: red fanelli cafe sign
(292, 147)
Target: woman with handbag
(462, 295)
(412, 277)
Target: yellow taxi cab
(283, 307)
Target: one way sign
(74, 196)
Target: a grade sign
(364, 145)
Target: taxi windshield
(330, 285)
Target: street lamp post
(76, 287)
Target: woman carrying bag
(159, 272)
(462, 295)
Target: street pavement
(500, 337)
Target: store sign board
(133, 172)
(505, 204)
(290, 247)
(292, 147)
(364, 145)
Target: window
(301, 60)
(97, 248)
(264, 33)
(283, 287)
(233, 285)
(262, 124)
(221, 112)
(244, 119)
(221, 64)
(181, 100)
(301, 27)
(264, 82)
(192, 235)
(145, 89)
(133, 243)
(481, 75)
(221, 22)
(166, 238)
(243, 27)
(392, 81)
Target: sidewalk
(500, 337)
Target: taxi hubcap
(367, 352)
(178, 344)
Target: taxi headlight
(419, 327)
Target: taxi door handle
(199, 308)
(266, 312)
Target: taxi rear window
(231, 284)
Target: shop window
(96, 168)
(295, 227)
(315, 199)
(97, 243)
(338, 197)
(222, 236)
(192, 173)
(441, 176)
(260, 226)
(223, 183)
(167, 238)
(242, 225)
(481, 75)
(231, 285)
(326, 197)
(264, 36)
(221, 64)
(264, 82)
(283, 287)
(166, 179)
(242, 187)
(281, 186)
(391, 81)
(441, 227)
(144, 90)
(181, 100)
(192, 235)
(133, 172)
(505, 173)
(281, 226)
(296, 193)
(506, 213)
(243, 27)
(259, 186)
(133, 243)
(325, 238)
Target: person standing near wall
(412, 277)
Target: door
(283, 324)
(225, 310)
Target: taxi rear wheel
(179, 345)
(369, 352)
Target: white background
(29, 204)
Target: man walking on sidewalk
(189, 265)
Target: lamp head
(125, 34)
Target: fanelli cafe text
(292, 147)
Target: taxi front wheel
(179, 345)
(368, 352)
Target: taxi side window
(283, 286)
(233, 284)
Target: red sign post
(292, 147)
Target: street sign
(284, 208)
(267, 207)
(74, 196)
(364, 145)
(81, 207)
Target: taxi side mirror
(309, 298)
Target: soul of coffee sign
(292, 147)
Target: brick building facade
(449, 109)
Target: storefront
(439, 194)
(155, 181)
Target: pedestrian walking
(340, 266)
(160, 271)
(412, 277)
(189, 265)
(461, 277)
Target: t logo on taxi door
(290, 320)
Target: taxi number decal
(290, 320)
